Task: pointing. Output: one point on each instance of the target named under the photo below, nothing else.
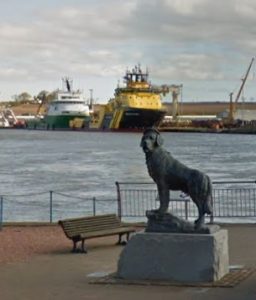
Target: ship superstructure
(136, 105)
(67, 106)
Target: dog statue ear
(159, 139)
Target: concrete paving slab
(62, 275)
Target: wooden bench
(80, 229)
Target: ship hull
(140, 118)
(55, 122)
(62, 122)
(132, 120)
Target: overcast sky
(205, 45)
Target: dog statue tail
(208, 209)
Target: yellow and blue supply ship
(135, 106)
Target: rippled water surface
(90, 163)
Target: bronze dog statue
(170, 174)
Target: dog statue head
(150, 140)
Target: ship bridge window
(70, 102)
(69, 97)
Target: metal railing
(231, 199)
(51, 206)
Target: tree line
(43, 96)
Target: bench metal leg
(120, 242)
(119, 239)
(83, 248)
(74, 247)
(77, 250)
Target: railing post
(212, 204)
(186, 209)
(51, 192)
(94, 206)
(211, 218)
(254, 203)
(1, 211)
(119, 203)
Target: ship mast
(67, 83)
(136, 75)
(91, 99)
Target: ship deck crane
(176, 90)
(42, 104)
(232, 107)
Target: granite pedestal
(175, 256)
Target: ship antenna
(91, 98)
(68, 83)
(139, 67)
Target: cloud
(16, 32)
(179, 40)
(12, 73)
(184, 7)
(189, 66)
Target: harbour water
(88, 164)
(36, 161)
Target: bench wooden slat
(93, 218)
(74, 233)
(96, 228)
(91, 224)
(102, 233)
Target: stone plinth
(174, 256)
